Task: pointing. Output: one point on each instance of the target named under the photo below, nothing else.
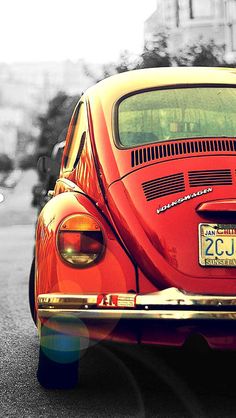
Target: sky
(54, 30)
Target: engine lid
(158, 211)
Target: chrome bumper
(168, 304)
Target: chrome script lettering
(183, 199)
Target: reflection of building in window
(186, 21)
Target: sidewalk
(16, 208)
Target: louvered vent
(163, 186)
(210, 178)
(165, 150)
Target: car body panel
(53, 274)
(158, 235)
(116, 162)
(149, 201)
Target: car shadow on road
(121, 380)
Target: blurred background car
(47, 176)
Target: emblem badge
(183, 199)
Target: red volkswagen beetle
(138, 242)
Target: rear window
(164, 115)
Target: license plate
(217, 245)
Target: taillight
(80, 240)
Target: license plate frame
(217, 245)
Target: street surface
(115, 381)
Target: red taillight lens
(80, 240)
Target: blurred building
(186, 21)
(25, 89)
(10, 121)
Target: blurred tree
(203, 54)
(155, 53)
(28, 161)
(53, 124)
(107, 70)
(127, 62)
(6, 163)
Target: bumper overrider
(168, 304)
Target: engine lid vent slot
(210, 178)
(163, 186)
(181, 148)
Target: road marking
(1, 198)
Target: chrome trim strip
(165, 298)
(54, 300)
(183, 199)
(176, 297)
(169, 304)
(117, 314)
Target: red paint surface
(162, 248)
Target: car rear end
(174, 204)
(166, 157)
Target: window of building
(77, 133)
(170, 12)
(233, 36)
(231, 10)
(199, 9)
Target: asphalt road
(115, 380)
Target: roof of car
(124, 83)
(104, 96)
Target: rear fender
(114, 272)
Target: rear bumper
(169, 304)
